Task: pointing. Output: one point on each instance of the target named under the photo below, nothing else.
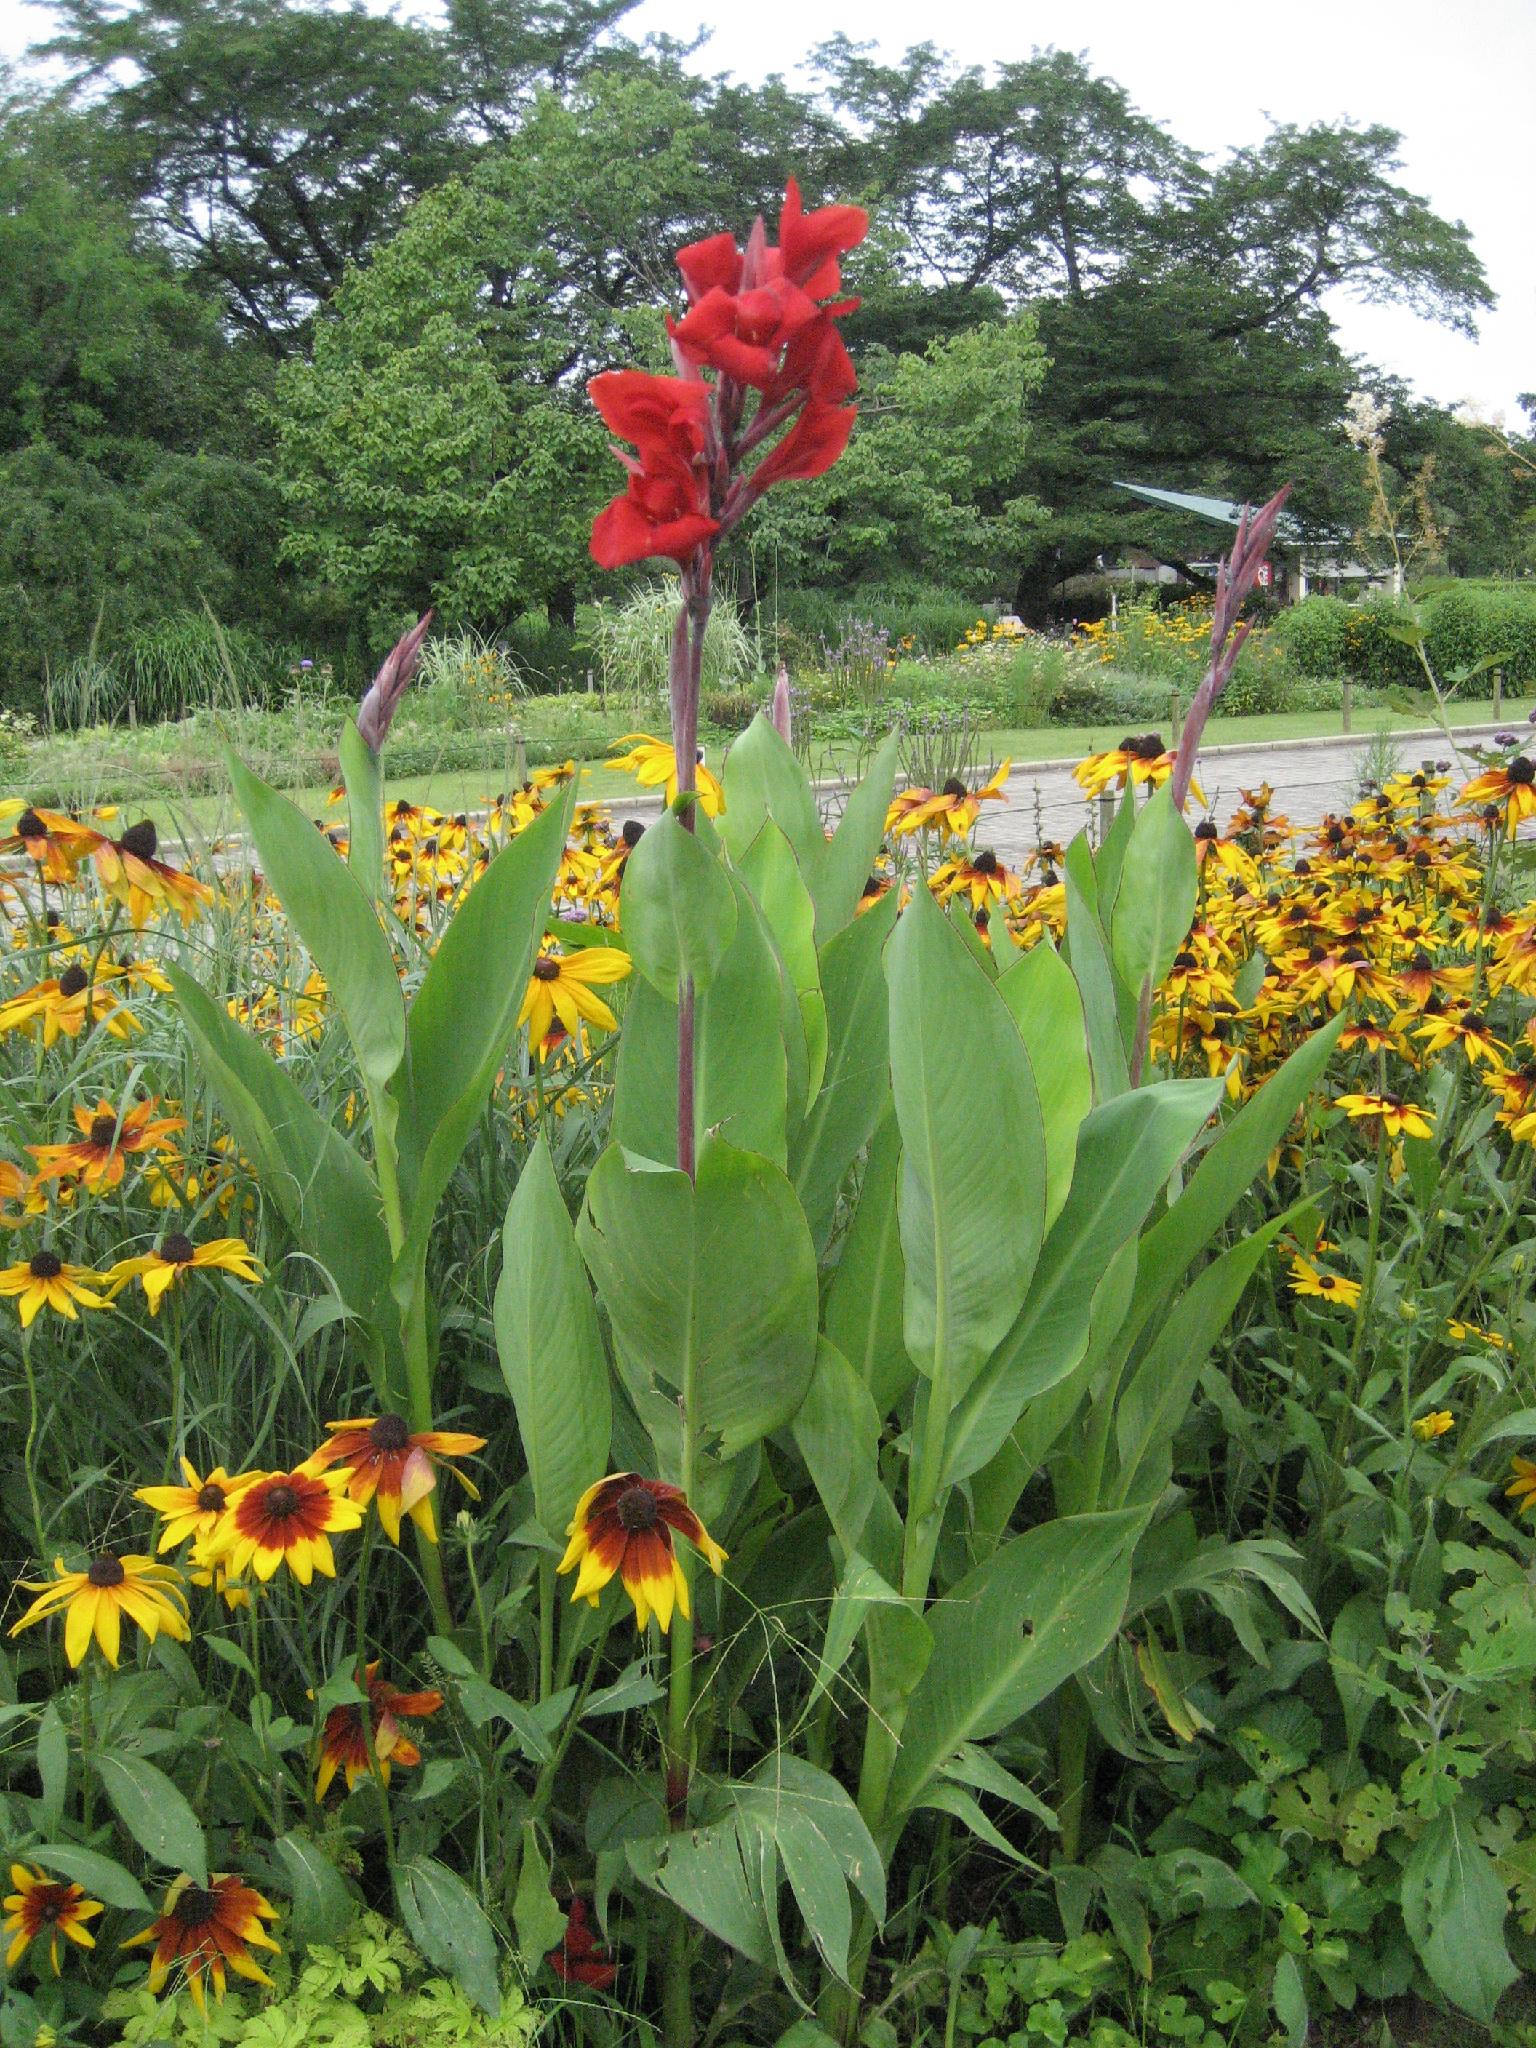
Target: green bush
(1315, 636)
(1463, 624)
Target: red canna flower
(810, 447)
(581, 1957)
(713, 264)
(744, 334)
(810, 243)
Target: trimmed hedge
(1463, 624)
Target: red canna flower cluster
(759, 318)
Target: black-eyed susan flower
(94, 1602)
(624, 1524)
(1522, 1484)
(1512, 785)
(1439, 1422)
(1463, 1333)
(1467, 1028)
(57, 843)
(951, 808)
(195, 1510)
(132, 876)
(1399, 1119)
(388, 1463)
(98, 1157)
(560, 989)
(40, 1908)
(175, 1256)
(653, 763)
(344, 1743)
(47, 1281)
(62, 1006)
(1323, 1286)
(284, 1518)
(204, 1931)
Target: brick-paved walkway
(1309, 778)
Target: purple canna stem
(1234, 579)
(377, 710)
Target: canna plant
(891, 1288)
(884, 1231)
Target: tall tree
(441, 445)
(273, 142)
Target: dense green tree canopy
(418, 238)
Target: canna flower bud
(377, 710)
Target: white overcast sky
(1458, 82)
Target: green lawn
(195, 819)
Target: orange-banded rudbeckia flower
(133, 877)
(284, 1518)
(560, 987)
(951, 808)
(1513, 784)
(344, 1743)
(95, 1600)
(1140, 759)
(58, 844)
(205, 1931)
(159, 1270)
(388, 1463)
(1401, 1119)
(653, 762)
(42, 1905)
(196, 1509)
(45, 1281)
(107, 1141)
(624, 1525)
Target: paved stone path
(1309, 779)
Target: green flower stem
(29, 1449)
(365, 1711)
(417, 1342)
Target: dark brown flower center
(45, 1265)
(212, 1499)
(280, 1503)
(1206, 829)
(632, 832)
(141, 839)
(1326, 1280)
(1521, 770)
(1149, 747)
(178, 1248)
(390, 1433)
(103, 1132)
(545, 969)
(48, 1902)
(954, 788)
(106, 1571)
(73, 980)
(636, 1508)
(30, 826)
(196, 1907)
(985, 862)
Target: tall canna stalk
(759, 397)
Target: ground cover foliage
(1228, 1432)
(761, 1430)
